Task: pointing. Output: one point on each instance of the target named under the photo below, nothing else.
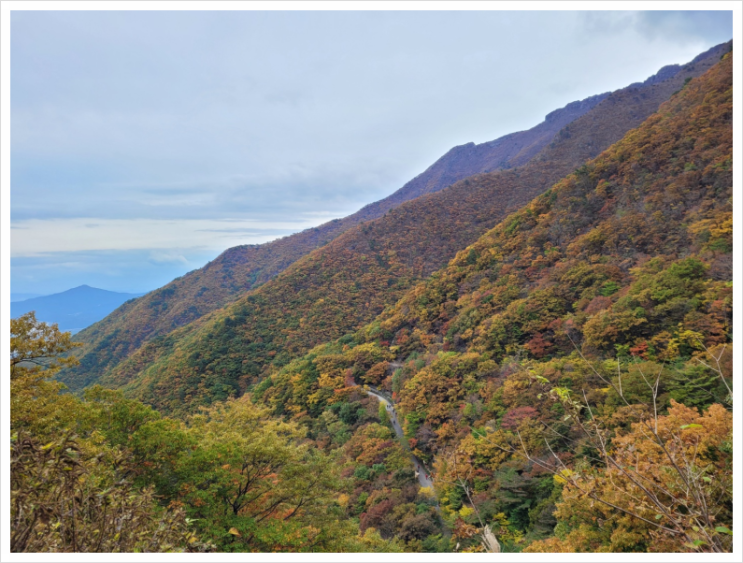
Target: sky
(143, 144)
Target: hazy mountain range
(73, 309)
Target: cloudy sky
(145, 143)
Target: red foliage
(513, 418)
(640, 350)
(597, 304)
(376, 516)
(348, 378)
(538, 346)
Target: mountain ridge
(454, 209)
(242, 268)
(540, 364)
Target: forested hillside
(379, 263)
(569, 374)
(565, 379)
(103, 474)
(242, 268)
(347, 283)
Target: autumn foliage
(342, 286)
(566, 377)
(600, 313)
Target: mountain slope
(23, 296)
(506, 152)
(345, 284)
(646, 222)
(73, 309)
(242, 268)
(599, 305)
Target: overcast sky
(145, 143)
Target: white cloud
(167, 257)
(141, 130)
(36, 237)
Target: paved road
(420, 469)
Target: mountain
(345, 284)
(573, 365)
(563, 385)
(73, 309)
(506, 152)
(242, 268)
(23, 296)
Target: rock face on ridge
(508, 151)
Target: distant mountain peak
(83, 288)
(74, 308)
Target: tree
(37, 346)
(666, 485)
(73, 493)
(251, 482)
(36, 353)
(666, 489)
(67, 499)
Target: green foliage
(64, 498)
(472, 257)
(114, 476)
(36, 355)
(74, 492)
(608, 288)
(697, 384)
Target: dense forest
(102, 473)
(556, 339)
(569, 375)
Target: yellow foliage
(563, 477)
(466, 511)
(427, 492)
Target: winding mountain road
(423, 474)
